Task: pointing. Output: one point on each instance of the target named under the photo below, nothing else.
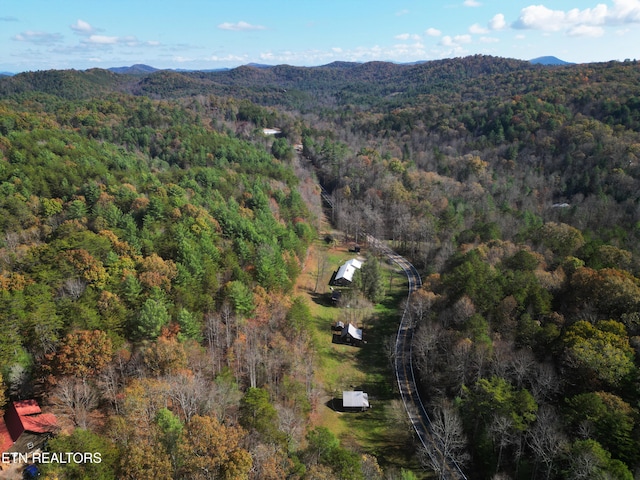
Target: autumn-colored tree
(142, 400)
(81, 354)
(86, 266)
(610, 291)
(142, 459)
(165, 356)
(270, 462)
(157, 272)
(3, 397)
(209, 449)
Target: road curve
(404, 367)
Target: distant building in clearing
(344, 276)
(355, 399)
(271, 131)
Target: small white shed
(355, 399)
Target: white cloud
(586, 31)
(240, 26)
(458, 40)
(625, 11)
(477, 29)
(587, 22)
(31, 36)
(227, 58)
(82, 28)
(407, 36)
(497, 22)
(539, 17)
(489, 40)
(462, 39)
(402, 12)
(102, 40)
(472, 3)
(433, 32)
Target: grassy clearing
(383, 430)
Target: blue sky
(205, 34)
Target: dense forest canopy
(147, 219)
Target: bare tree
(420, 305)
(110, 385)
(189, 393)
(426, 341)
(229, 321)
(448, 449)
(251, 354)
(213, 336)
(224, 397)
(291, 423)
(502, 433)
(521, 366)
(545, 383)
(75, 399)
(546, 439)
(73, 287)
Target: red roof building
(24, 427)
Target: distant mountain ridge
(142, 69)
(342, 82)
(549, 60)
(137, 69)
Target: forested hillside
(147, 218)
(145, 276)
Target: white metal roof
(353, 331)
(347, 269)
(356, 399)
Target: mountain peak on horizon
(548, 60)
(137, 69)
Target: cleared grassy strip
(383, 430)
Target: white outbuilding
(345, 273)
(355, 399)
